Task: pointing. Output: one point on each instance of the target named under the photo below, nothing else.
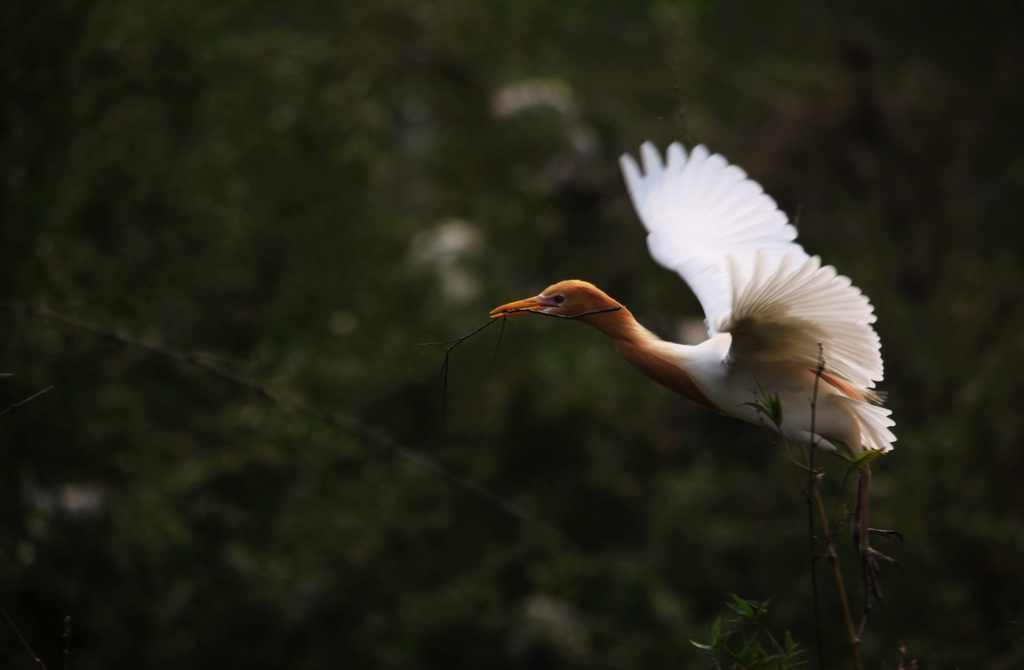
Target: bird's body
(707, 375)
(703, 374)
(780, 325)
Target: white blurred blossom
(520, 96)
(549, 622)
(448, 251)
(74, 499)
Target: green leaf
(742, 607)
(790, 644)
(863, 459)
(716, 629)
(759, 407)
(769, 404)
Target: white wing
(698, 210)
(786, 309)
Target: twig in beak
(501, 332)
(443, 380)
(557, 316)
(447, 356)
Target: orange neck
(646, 352)
(618, 325)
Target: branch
(447, 356)
(67, 641)
(528, 310)
(353, 425)
(26, 400)
(24, 642)
(504, 319)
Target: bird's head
(571, 299)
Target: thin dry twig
(567, 317)
(812, 486)
(680, 116)
(67, 641)
(826, 543)
(27, 400)
(445, 366)
(21, 637)
(905, 663)
(501, 333)
(443, 379)
(852, 637)
(355, 426)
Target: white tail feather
(874, 425)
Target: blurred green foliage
(756, 647)
(309, 189)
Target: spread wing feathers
(874, 424)
(697, 209)
(786, 309)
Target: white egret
(772, 312)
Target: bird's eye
(559, 299)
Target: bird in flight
(777, 319)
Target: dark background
(308, 190)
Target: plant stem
(814, 558)
(812, 486)
(851, 632)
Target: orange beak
(523, 307)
